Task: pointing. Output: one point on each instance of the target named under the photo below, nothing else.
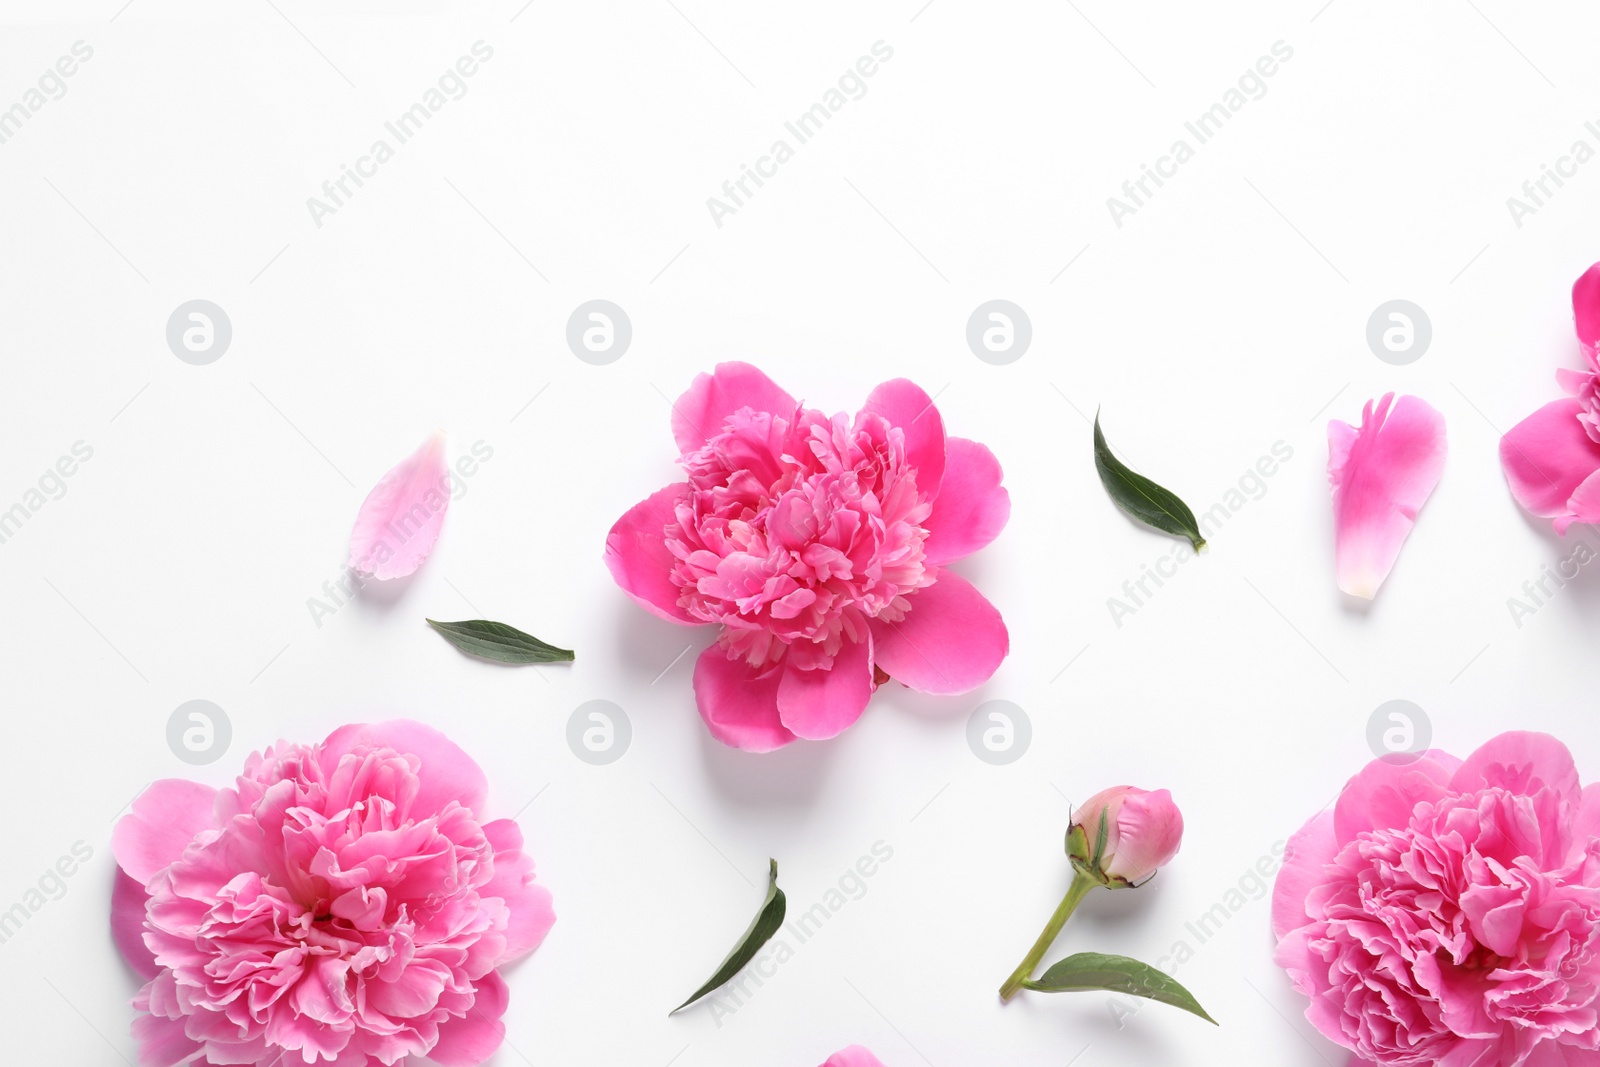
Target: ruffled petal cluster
(1448, 912)
(341, 904)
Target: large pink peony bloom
(1552, 457)
(1449, 913)
(818, 544)
(341, 904)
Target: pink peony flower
(854, 1056)
(1449, 913)
(1143, 830)
(818, 545)
(1382, 473)
(341, 904)
(1552, 457)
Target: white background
(1225, 316)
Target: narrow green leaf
(499, 642)
(1141, 498)
(1118, 974)
(765, 924)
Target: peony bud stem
(1081, 884)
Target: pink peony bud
(1143, 831)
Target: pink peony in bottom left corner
(854, 1056)
(343, 903)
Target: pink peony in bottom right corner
(1448, 912)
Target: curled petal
(823, 703)
(1382, 474)
(1386, 790)
(950, 641)
(972, 507)
(638, 558)
(468, 1040)
(904, 405)
(703, 409)
(399, 522)
(739, 703)
(1547, 456)
(532, 914)
(446, 772)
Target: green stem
(1081, 884)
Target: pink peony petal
(164, 819)
(1534, 765)
(703, 409)
(639, 560)
(951, 640)
(1584, 506)
(823, 703)
(447, 773)
(738, 703)
(1547, 456)
(1309, 850)
(1382, 474)
(163, 1042)
(854, 1056)
(1586, 307)
(127, 924)
(904, 405)
(1586, 823)
(1384, 792)
(972, 507)
(472, 1038)
(532, 914)
(400, 520)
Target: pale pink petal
(972, 506)
(163, 1043)
(703, 409)
(400, 520)
(1382, 474)
(1309, 850)
(472, 1038)
(1583, 507)
(1586, 823)
(819, 704)
(127, 924)
(904, 405)
(1523, 762)
(1572, 381)
(532, 914)
(638, 558)
(1547, 456)
(1586, 307)
(738, 703)
(951, 640)
(854, 1056)
(1383, 794)
(164, 819)
(447, 773)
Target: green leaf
(766, 923)
(1141, 498)
(499, 642)
(1118, 974)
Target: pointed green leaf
(1141, 498)
(766, 923)
(1118, 974)
(499, 642)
